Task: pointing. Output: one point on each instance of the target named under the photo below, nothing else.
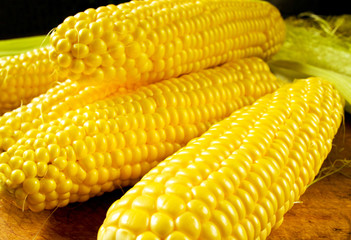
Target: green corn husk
(10, 47)
(317, 46)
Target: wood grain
(324, 211)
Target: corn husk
(10, 47)
(317, 46)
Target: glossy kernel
(161, 224)
(31, 185)
(187, 223)
(135, 220)
(170, 204)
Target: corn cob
(25, 76)
(141, 42)
(113, 142)
(238, 179)
(65, 96)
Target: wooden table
(324, 211)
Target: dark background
(20, 18)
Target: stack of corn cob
(183, 81)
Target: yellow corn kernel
(141, 42)
(241, 176)
(25, 76)
(63, 97)
(126, 134)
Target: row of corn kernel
(25, 76)
(63, 97)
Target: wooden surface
(323, 213)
